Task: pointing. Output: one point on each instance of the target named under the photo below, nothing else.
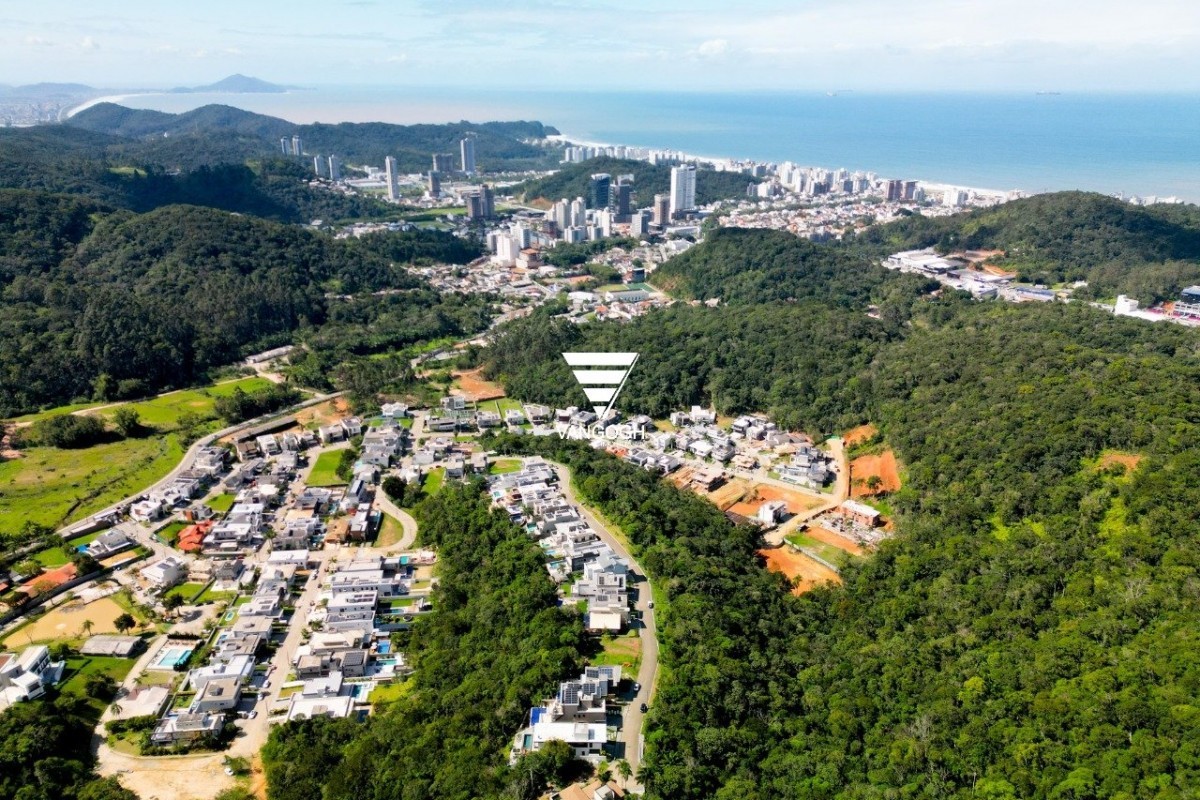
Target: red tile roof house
(49, 580)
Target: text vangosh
(614, 432)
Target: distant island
(236, 84)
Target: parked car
(637, 687)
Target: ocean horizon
(1136, 144)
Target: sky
(903, 45)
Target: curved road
(633, 719)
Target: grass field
(624, 651)
(188, 591)
(391, 692)
(80, 668)
(503, 466)
(170, 533)
(221, 503)
(52, 487)
(435, 479)
(163, 412)
(390, 531)
(324, 472)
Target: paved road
(406, 521)
(632, 718)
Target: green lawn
(53, 487)
(221, 503)
(171, 532)
(390, 531)
(51, 557)
(503, 466)
(623, 651)
(79, 668)
(391, 692)
(210, 596)
(324, 472)
(434, 480)
(188, 591)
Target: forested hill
(498, 145)
(1028, 633)
(102, 303)
(740, 265)
(648, 180)
(1146, 251)
(199, 169)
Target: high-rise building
(910, 190)
(662, 209)
(285, 144)
(622, 199)
(578, 216)
(297, 146)
(604, 222)
(683, 189)
(335, 168)
(560, 214)
(443, 163)
(319, 166)
(639, 223)
(895, 190)
(435, 184)
(467, 146)
(393, 184)
(481, 204)
(598, 190)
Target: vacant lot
(882, 466)
(390, 531)
(796, 565)
(504, 465)
(1128, 460)
(53, 487)
(860, 434)
(623, 651)
(473, 386)
(163, 412)
(832, 538)
(324, 471)
(66, 623)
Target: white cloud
(88, 43)
(713, 48)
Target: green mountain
(498, 145)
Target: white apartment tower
(393, 186)
(683, 189)
(467, 146)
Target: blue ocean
(1143, 144)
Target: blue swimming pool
(171, 657)
(385, 648)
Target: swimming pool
(385, 648)
(171, 657)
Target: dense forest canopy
(572, 181)
(496, 642)
(96, 299)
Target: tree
(625, 771)
(874, 482)
(125, 622)
(87, 626)
(28, 567)
(105, 789)
(172, 602)
(101, 686)
(128, 423)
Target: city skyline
(860, 45)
